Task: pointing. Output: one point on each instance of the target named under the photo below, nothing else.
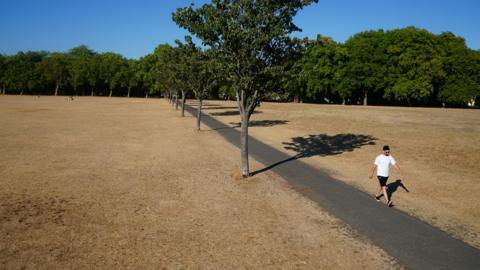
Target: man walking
(382, 165)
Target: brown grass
(114, 183)
(438, 149)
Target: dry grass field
(438, 149)
(116, 183)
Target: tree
(22, 73)
(79, 66)
(111, 67)
(461, 84)
(165, 70)
(206, 78)
(322, 70)
(93, 76)
(413, 65)
(3, 78)
(54, 70)
(186, 68)
(366, 71)
(197, 72)
(252, 38)
(131, 76)
(146, 74)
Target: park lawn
(438, 149)
(109, 183)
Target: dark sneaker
(377, 198)
(389, 204)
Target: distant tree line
(408, 66)
(80, 71)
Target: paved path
(414, 243)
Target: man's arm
(373, 171)
(398, 168)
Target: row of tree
(406, 66)
(80, 71)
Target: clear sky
(134, 28)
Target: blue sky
(134, 28)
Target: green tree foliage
(22, 71)
(3, 77)
(293, 81)
(93, 75)
(146, 73)
(54, 69)
(112, 66)
(322, 70)
(461, 86)
(366, 71)
(131, 76)
(252, 38)
(79, 58)
(413, 65)
(198, 72)
(165, 69)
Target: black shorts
(382, 180)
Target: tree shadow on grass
(322, 145)
(230, 113)
(204, 105)
(220, 108)
(259, 123)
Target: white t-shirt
(383, 165)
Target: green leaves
(322, 69)
(249, 37)
(22, 72)
(54, 70)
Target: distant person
(382, 166)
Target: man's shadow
(393, 187)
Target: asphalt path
(414, 243)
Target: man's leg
(384, 189)
(378, 194)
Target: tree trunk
(296, 99)
(176, 101)
(56, 89)
(184, 98)
(21, 93)
(128, 93)
(4, 90)
(93, 90)
(365, 99)
(146, 95)
(343, 101)
(244, 145)
(111, 92)
(199, 113)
